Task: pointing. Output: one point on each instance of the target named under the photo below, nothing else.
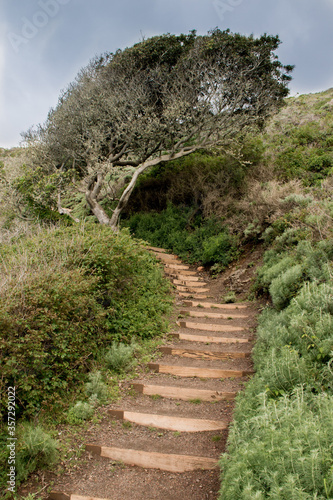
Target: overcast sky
(44, 43)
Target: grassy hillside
(272, 190)
(280, 444)
(244, 191)
(300, 138)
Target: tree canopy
(161, 99)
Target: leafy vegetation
(37, 449)
(79, 412)
(95, 388)
(279, 445)
(190, 181)
(119, 357)
(282, 452)
(288, 404)
(300, 139)
(186, 234)
(67, 294)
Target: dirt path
(164, 440)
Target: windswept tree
(161, 99)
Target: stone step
(212, 305)
(188, 283)
(168, 422)
(209, 338)
(203, 354)
(204, 314)
(194, 371)
(209, 327)
(183, 393)
(153, 460)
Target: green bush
(217, 248)
(188, 181)
(306, 327)
(36, 450)
(119, 357)
(309, 164)
(293, 259)
(305, 151)
(79, 412)
(284, 370)
(283, 452)
(285, 286)
(96, 389)
(185, 233)
(315, 297)
(273, 269)
(279, 445)
(229, 298)
(317, 259)
(68, 294)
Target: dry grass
(11, 225)
(260, 205)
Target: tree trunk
(149, 163)
(93, 189)
(96, 182)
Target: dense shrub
(293, 259)
(191, 179)
(274, 266)
(301, 139)
(285, 286)
(95, 388)
(283, 452)
(187, 234)
(66, 294)
(279, 446)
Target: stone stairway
(179, 419)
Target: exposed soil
(95, 476)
